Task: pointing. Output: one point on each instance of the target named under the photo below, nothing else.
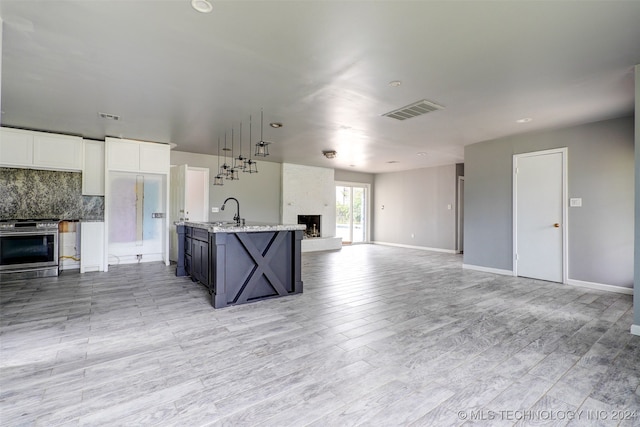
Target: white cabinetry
(91, 246)
(16, 148)
(137, 156)
(59, 152)
(93, 168)
(40, 150)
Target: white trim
(635, 329)
(600, 286)
(488, 269)
(420, 248)
(565, 213)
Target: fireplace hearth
(313, 225)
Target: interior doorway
(540, 215)
(352, 212)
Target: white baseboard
(600, 286)
(421, 248)
(133, 259)
(488, 269)
(635, 329)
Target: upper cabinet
(137, 156)
(93, 170)
(40, 150)
(60, 152)
(16, 148)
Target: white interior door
(197, 194)
(540, 215)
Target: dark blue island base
(241, 266)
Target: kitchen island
(241, 263)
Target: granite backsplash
(30, 193)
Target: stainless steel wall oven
(28, 248)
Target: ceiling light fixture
(225, 168)
(240, 162)
(218, 178)
(262, 147)
(202, 6)
(232, 174)
(250, 166)
(524, 120)
(276, 125)
(329, 154)
(421, 153)
(395, 83)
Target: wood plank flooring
(381, 336)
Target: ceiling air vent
(412, 110)
(109, 116)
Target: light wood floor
(381, 336)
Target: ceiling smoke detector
(329, 154)
(413, 110)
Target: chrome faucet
(236, 218)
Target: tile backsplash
(30, 193)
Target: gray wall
(600, 171)
(415, 202)
(351, 176)
(259, 194)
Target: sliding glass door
(352, 212)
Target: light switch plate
(575, 202)
(214, 210)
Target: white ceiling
(322, 68)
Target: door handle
(556, 225)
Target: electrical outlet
(215, 210)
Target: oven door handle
(28, 233)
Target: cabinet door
(16, 148)
(123, 155)
(93, 169)
(200, 259)
(91, 246)
(59, 152)
(154, 157)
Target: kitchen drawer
(200, 234)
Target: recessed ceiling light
(421, 153)
(524, 120)
(395, 83)
(276, 125)
(202, 6)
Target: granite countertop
(249, 227)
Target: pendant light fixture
(262, 147)
(218, 180)
(233, 173)
(224, 169)
(250, 166)
(239, 163)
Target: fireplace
(313, 225)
